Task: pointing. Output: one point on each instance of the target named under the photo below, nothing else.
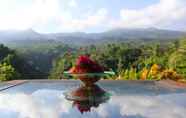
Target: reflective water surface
(137, 100)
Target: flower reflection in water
(48, 103)
(84, 98)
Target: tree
(7, 72)
(4, 51)
(61, 64)
(177, 59)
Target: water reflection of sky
(50, 103)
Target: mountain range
(79, 38)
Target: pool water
(46, 99)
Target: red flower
(84, 60)
(85, 65)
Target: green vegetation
(13, 66)
(7, 71)
(178, 59)
(129, 60)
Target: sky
(50, 103)
(49, 16)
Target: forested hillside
(131, 61)
(132, 54)
(13, 66)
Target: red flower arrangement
(85, 65)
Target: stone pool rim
(165, 83)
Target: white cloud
(47, 103)
(73, 3)
(68, 23)
(41, 14)
(162, 14)
(23, 17)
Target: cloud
(162, 14)
(41, 14)
(68, 23)
(60, 15)
(47, 103)
(27, 16)
(73, 3)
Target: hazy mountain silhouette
(80, 38)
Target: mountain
(79, 38)
(151, 33)
(13, 35)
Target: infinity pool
(129, 99)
